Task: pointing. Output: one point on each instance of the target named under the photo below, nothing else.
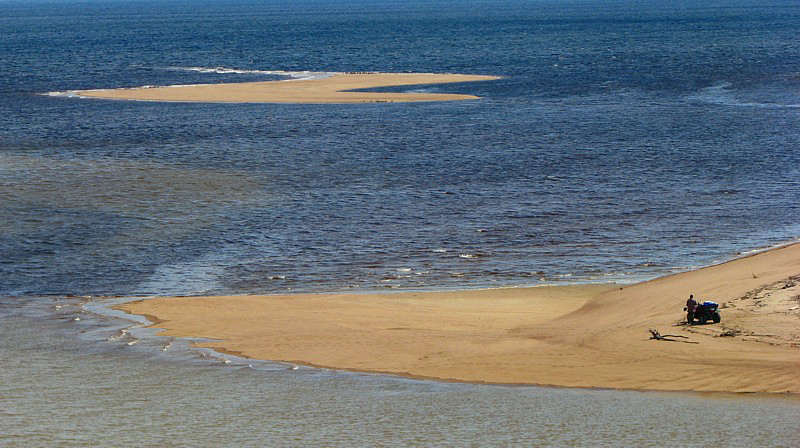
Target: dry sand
(575, 336)
(334, 89)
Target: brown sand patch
(334, 89)
(770, 314)
(575, 336)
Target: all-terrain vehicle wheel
(702, 319)
(716, 317)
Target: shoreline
(338, 88)
(562, 336)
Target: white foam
(67, 94)
(724, 95)
(470, 255)
(289, 75)
(305, 74)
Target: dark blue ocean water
(626, 140)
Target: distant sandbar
(337, 88)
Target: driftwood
(666, 337)
(729, 334)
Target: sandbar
(336, 88)
(570, 336)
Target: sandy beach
(573, 336)
(334, 89)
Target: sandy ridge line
(338, 88)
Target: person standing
(691, 304)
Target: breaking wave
(287, 75)
(305, 74)
(724, 94)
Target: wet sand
(334, 89)
(573, 336)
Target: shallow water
(63, 391)
(623, 143)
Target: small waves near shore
(132, 384)
(620, 144)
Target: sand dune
(334, 89)
(575, 336)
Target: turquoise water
(626, 140)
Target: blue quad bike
(706, 311)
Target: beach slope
(337, 88)
(573, 336)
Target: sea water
(625, 140)
(99, 389)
